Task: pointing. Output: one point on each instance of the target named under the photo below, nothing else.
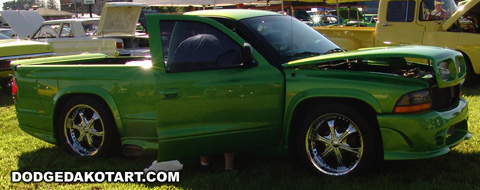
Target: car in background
(3, 36)
(327, 20)
(351, 16)
(303, 16)
(14, 49)
(111, 34)
(7, 32)
(371, 19)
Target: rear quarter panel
(44, 89)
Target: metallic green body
(203, 112)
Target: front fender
(89, 90)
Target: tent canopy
(202, 3)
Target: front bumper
(423, 135)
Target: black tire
(344, 153)
(86, 128)
(470, 74)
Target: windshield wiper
(335, 50)
(302, 54)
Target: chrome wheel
(334, 144)
(84, 130)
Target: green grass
(458, 169)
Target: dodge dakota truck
(408, 22)
(230, 80)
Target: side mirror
(247, 55)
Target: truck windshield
(291, 38)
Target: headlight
(414, 102)
(445, 69)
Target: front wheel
(87, 128)
(337, 140)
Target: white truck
(112, 34)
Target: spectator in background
(240, 6)
(438, 13)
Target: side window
(195, 46)
(47, 31)
(90, 27)
(437, 9)
(401, 11)
(66, 32)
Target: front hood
(469, 6)
(435, 54)
(15, 49)
(119, 18)
(23, 22)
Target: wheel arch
(97, 93)
(470, 69)
(304, 106)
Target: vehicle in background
(327, 20)
(371, 19)
(303, 16)
(351, 16)
(15, 49)
(111, 34)
(403, 22)
(3, 36)
(8, 32)
(75, 36)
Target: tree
(40, 3)
(18, 5)
(52, 4)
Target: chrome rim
(84, 130)
(334, 144)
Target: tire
(354, 148)
(470, 74)
(86, 128)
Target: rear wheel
(337, 140)
(87, 128)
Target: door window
(194, 46)
(48, 31)
(401, 11)
(66, 31)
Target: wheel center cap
(335, 143)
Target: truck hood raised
(22, 22)
(471, 6)
(16, 49)
(119, 18)
(435, 54)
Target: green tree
(52, 4)
(18, 5)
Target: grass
(458, 169)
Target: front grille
(442, 98)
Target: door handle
(170, 93)
(385, 24)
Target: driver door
(209, 99)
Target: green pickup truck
(230, 80)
